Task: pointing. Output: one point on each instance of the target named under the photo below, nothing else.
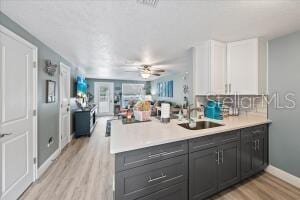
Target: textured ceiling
(103, 36)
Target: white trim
(43, 168)
(72, 136)
(10, 33)
(289, 178)
(60, 83)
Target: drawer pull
(156, 179)
(203, 145)
(257, 131)
(150, 156)
(218, 157)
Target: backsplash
(247, 104)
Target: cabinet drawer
(176, 192)
(131, 159)
(201, 143)
(227, 137)
(255, 130)
(141, 181)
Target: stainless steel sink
(201, 125)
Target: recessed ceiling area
(106, 37)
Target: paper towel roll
(165, 112)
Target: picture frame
(165, 89)
(50, 91)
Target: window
(131, 93)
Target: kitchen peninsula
(167, 161)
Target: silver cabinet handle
(4, 134)
(150, 155)
(229, 88)
(156, 179)
(256, 131)
(218, 157)
(226, 88)
(153, 155)
(254, 142)
(222, 156)
(258, 144)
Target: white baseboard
(72, 136)
(289, 178)
(43, 168)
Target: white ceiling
(102, 36)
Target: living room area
(121, 99)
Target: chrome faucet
(193, 109)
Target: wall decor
(165, 89)
(50, 96)
(50, 68)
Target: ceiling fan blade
(155, 74)
(158, 70)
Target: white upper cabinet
(246, 67)
(232, 68)
(209, 68)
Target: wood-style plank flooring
(85, 171)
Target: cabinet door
(176, 192)
(203, 173)
(247, 150)
(229, 165)
(242, 65)
(259, 160)
(217, 67)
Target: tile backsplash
(247, 104)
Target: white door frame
(61, 64)
(7, 32)
(112, 95)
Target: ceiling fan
(147, 70)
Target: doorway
(18, 119)
(65, 117)
(104, 98)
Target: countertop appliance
(213, 110)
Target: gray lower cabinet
(136, 158)
(229, 165)
(193, 169)
(203, 173)
(254, 150)
(145, 180)
(176, 192)
(213, 169)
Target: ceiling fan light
(145, 75)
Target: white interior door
(65, 117)
(104, 94)
(16, 106)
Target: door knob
(4, 134)
(68, 109)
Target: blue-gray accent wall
(284, 78)
(48, 113)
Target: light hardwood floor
(85, 168)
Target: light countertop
(140, 135)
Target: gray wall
(48, 114)
(178, 82)
(284, 77)
(185, 63)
